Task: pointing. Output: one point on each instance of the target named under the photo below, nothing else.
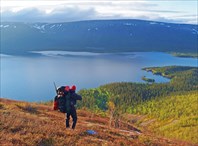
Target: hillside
(98, 36)
(173, 116)
(25, 123)
(167, 109)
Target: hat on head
(73, 88)
(67, 88)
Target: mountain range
(98, 36)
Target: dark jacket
(74, 98)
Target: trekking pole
(55, 88)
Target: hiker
(65, 102)
(72, 112)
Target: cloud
(65, 14)
(76, 10)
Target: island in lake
(144, 78)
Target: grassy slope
(174, 116)
(24, 123)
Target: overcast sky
(176, 11)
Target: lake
(31, 78)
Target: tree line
(127, 95)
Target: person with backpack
(65, 102)
(72, 113)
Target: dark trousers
(73, 114)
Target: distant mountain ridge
(98, 36)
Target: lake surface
(31, 78)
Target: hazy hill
(98, 36)
(25, 123)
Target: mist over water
(31, 78)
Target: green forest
(126, 95)
(174, 102)
(175, 115)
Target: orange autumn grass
(35, 124)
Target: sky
(174, 11)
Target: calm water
(31, 78)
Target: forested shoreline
(126, 95)
(167, 109)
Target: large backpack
(64, 103)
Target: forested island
(144, 78)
